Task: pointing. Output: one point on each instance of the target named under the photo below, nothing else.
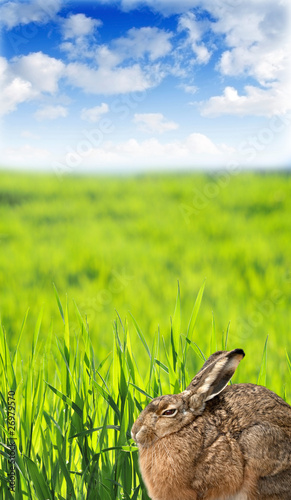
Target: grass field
(121, 244)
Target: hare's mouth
(144, 436)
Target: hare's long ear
(213, 377)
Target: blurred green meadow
(121, 243)
(94, 324)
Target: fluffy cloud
(256, 101)
(139, 42)
(112, 80)
(189, 89)
(154, 123)
(195, 151)
(195, 31)
(165, 7)
(265, 66)
(78, 31)
(198, 143)
(39, 11)
(40, 70)
(31, 76)
(107, 58)
(26, 78)
(254, 34)
(79, 25)
(94, 114)
(25, 156)
(113, 69)
(127, 64)
(257, 44)
(16, 92)
(51, 113)
(221, 9)
(14, 89)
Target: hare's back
(249, 404)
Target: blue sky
(131, 85)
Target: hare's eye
(170, 413)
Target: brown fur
(224, 442)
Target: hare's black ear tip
(239, 352)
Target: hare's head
(164, 415)
(168, 414)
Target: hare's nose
(134, 430)
(140, 434)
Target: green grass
(122, 244)
(74, 413)
(72, 253)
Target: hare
(215, 441)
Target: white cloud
(107, 80)
(79, 25)
(25, 156)
(258, 45)
(166, 7)
(107, 58)
(139, 42)
(14, 89)
(189, 89)
(51, 113)
(201, 144)
(195, 31)
(221, 8)
(94, 114)
(16, 92)
(26, 78)
(265, 66)
(256, 101)
(79, 32)
(27, 134)
(108, 73)
(195, 151)
(154, 123)
(39, 11)
(40, 70)
(253, 33)
(31, 76)
(143, 46)
(255, 36)
(77, 50)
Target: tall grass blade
(195, 311)
(262, 377)
(196, 349)
(288, 362)
(141, 336)
(146, 394)
(164, 367)
(36, 332)
(8, 370)
(108, 398)
(213, 339)
(67, 400)
(37, 479)
(70, 487)
(225, 338)
(20, 335)
(176, 328)
(59, 303)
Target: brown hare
(216, 441)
